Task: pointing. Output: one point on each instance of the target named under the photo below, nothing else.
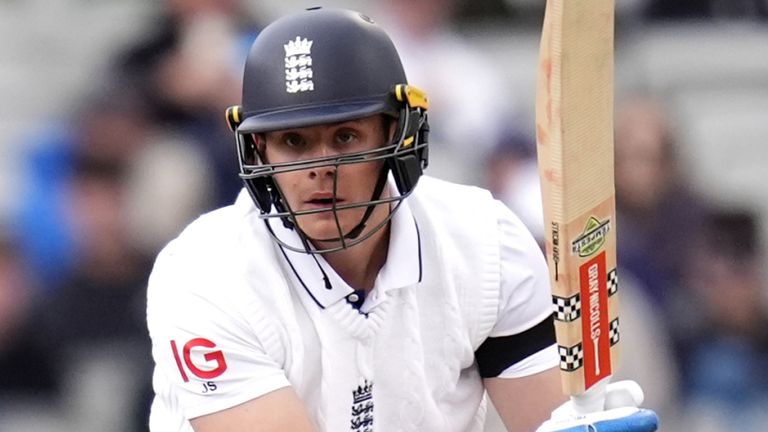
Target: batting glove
(620, 414)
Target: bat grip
(592, 400)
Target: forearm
(525, 403)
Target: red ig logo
(216, 357)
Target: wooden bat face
(574, 131)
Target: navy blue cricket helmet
(324, 66)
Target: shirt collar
(403, 266)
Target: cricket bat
(574, 133)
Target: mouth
(322, 200)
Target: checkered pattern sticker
(613, 331)
(567, 308)
(571, 358)
(613, 282)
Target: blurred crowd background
(112, 138)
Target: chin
(323, 225)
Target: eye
(293, 140)
(346, 137)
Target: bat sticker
(593, 237)
(594, 321)
(556, 248)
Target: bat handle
(592, 400)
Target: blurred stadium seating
(714, 76)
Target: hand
(620, 414)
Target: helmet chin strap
(358, 229)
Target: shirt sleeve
(522, 342)
(208, 356)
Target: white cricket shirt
(233, 316)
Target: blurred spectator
(96, 315)
(512, 176)
(466, 107)
(187, 69)
(101, 299)
(722, 327)
(27, 371)
(169, 184)
(658, 213)
(109, 126)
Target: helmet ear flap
(234, 116)
(262, 190)
(409, 162)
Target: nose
(329, 170)
(323, 171)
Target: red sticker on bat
(594, 321)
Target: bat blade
(574, 132)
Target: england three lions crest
(362, 408)
(298, 65)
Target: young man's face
(312, 188)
